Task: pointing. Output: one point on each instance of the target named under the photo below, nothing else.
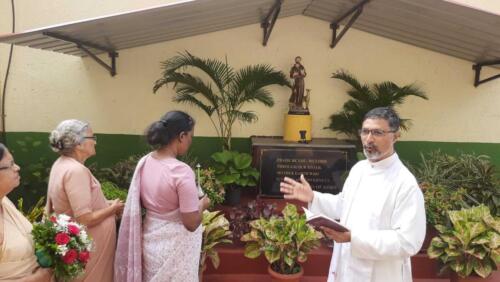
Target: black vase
(232, 196)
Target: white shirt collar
(385, 163)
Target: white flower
(83, 237)
(62, 249)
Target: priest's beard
(371, 152)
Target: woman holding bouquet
(17, 253)
(74, 191)
(167, 247)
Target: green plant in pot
(234, 170)
(215, 231)
(470, 245)
(285, 241)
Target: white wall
(45, 87)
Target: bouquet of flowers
(62, 244)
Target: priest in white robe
(381, 204)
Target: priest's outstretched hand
(295, 190)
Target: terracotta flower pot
(494, 277)
(276, 277)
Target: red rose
(73, 229)
(53, 219)
(84, 256)
(70, 256)
(62, 238)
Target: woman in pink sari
(166, 244)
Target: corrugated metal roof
(152, 25)
(441, 26)
(438, 25)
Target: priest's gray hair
(386, 113)
(67, 135)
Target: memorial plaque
(322, 168)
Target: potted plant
(470, 245)
(241, 216)
(223, 96)
(234, 170)
(285, 242)
(438, 201)
(215, 232)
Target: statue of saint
(297, 73)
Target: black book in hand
(318, 220)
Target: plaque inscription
(322, 168)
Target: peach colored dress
(17, 253)
(73, 190)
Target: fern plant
(365, 97)
(225, 93)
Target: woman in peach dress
(17, 253)
(73, 190)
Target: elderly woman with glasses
(74, 191)
(17, 253)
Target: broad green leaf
(252, 250)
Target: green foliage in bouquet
(63, 245)
(35, 212)
(212, 187)
(234, 168)
(215, 232)
(285, 241)
(471, 244)
(111, 191)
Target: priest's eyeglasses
(375, 132)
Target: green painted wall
(114, 147)
(32, 148)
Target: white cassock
(383, 207)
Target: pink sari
(128, 256)
(158, 249)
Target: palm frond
(249, 80)
(366, 98)
(248, 116)
(220, 73)
(344, 123)
(190, 99)
(186, 83)
(351, 80)
(412, 90)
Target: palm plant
(365, 98)
(226, 91)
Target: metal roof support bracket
(268, 23)
(84, 45)
(334, 25)
(477, 68)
